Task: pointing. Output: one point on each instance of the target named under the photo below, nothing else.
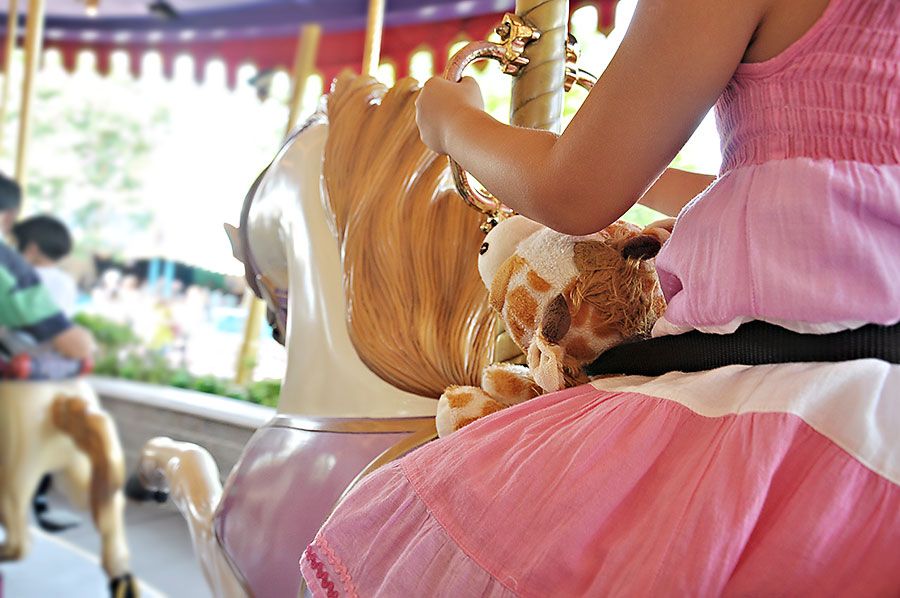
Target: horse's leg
(21, 467)
(16, 488)
(74, 481)
(191, 477)
(94, 433)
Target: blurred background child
(44, 242)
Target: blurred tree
(89, 160)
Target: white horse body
(336, 409)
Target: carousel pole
(374, 28)
(34, 37)
(537, 97)
(12, 32)
(304, 65)
(249, 352)
(537, 92)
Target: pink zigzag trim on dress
(323, 584)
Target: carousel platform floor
(66, 564)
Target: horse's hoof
(53, 521)
(10, 553)
(135, 490)
(56, 521)
(124, 586)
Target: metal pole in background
(304, 65)
(374, 29)
(249, 352)
(12, 32)
(34, 38)
(537, 92)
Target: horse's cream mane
(417, 310)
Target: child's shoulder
(15, 268)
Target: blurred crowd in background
(192, 318)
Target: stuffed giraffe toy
(564, 301)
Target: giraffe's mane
(417, 311)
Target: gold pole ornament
(12, 31)
(514, 34)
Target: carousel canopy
(264, 32)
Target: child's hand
(437, 105)
(75, 343)
(665, 224)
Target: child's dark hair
(10, 194)
(50, 235)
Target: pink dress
(766, 480)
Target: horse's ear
(234, 235)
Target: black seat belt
(753, 343)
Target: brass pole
(304, 65)
(537, 98)
(249, 352)
(537, 93)
(374, 28)
(12, 32)
(34, 37)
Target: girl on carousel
(744, 480)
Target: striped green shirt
(24, 302)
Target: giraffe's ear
(642, 247)
(647, 244)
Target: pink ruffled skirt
(768, 480)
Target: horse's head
(360, 219)
(265, 287)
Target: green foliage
(110, 335)
(122, 356)
(642, 215)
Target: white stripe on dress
(855, 404)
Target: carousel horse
(58, 426)
(358, 242)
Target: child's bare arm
(673, 64)
(674, 189)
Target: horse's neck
(325, 376)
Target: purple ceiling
(121, 20)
